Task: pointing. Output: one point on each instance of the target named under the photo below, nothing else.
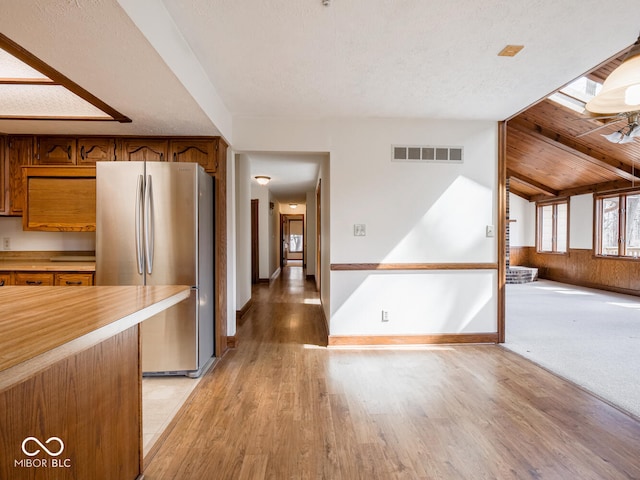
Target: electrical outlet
(385, 316)
(6, 243)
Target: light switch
(490, 231)
(359, 230)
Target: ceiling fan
(626, 134)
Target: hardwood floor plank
(284, 406)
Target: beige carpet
(590, 337)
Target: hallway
(283, 406)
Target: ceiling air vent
(426, 153)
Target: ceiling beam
(531, 183)
(513, 188)
(587, 189)
(569, 145)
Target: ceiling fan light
(613, 97)
(632, 95)
(614, 137)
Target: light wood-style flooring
(283, 406)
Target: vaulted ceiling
(553, 151)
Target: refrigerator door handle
(139, 207)
(149, 225)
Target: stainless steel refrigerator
(154, 226)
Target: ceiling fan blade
(602, 117)
(598, 128)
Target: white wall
(324, 178)
(243, 232)
(581, 221)
(414, 213)
(231, 244)
(522, 232)
(11, 227)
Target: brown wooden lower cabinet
(47, 279)
(44, 279)
(74, 279)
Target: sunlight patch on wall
(452, 229)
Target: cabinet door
(44, 279)
(97, 149)
(139, 149)
(196, 151)
(19, 153)
(74, 279)
(5, 279)
(55, 151)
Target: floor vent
(426, 153)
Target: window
(576, 95)
(553, 223)
(618, 225)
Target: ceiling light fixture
(262, 179)
(621, 90)
(626, 134)
(293, 205)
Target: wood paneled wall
(581, 267)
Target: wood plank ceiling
(547, 159)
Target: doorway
(292, 241)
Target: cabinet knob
(2, 283)
(69, 152)
(69, 282)
(81, 152)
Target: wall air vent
(426, 154)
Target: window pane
(546, 228)
(561, 227)
(633, 225)
(609, 233)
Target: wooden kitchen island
(70, 379)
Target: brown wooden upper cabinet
(96, 149)
(202, 151)
(138, 149)
(55, 151)
(19, 153)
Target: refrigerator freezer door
(169, 339)
(118, 212)
(171, 204)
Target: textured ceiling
(397, 58)
(354, 58)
